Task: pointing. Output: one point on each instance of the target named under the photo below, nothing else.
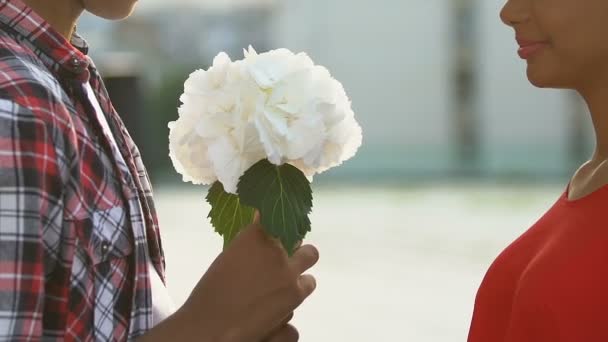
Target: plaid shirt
(77, 229)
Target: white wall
(392, 57)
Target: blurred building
(436, 84)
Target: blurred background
(460, 154)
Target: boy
(80, 250)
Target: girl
(551, 283)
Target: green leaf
(283, 196)
(228, 215)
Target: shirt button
(77, 65)
(105, 247)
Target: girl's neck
(597, 101)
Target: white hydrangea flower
(276, 105)
(307, 118)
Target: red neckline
(585, 198)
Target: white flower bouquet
(258, 130)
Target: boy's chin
(122, 9)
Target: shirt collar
(58, 52)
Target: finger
(256, 217)
(304, 258)
(258, 229)
(287, 319)
(278, 245)
(287, 334)
(255, 234)
(287, 301)
(307, 285)
(282, 324)
(253, 231)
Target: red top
(551, 284)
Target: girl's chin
(543, 78)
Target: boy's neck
(62, 15)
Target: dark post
(465, 120)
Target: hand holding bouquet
(258, 130)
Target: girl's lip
(527, 51)
(524, 41)
(528, 48)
